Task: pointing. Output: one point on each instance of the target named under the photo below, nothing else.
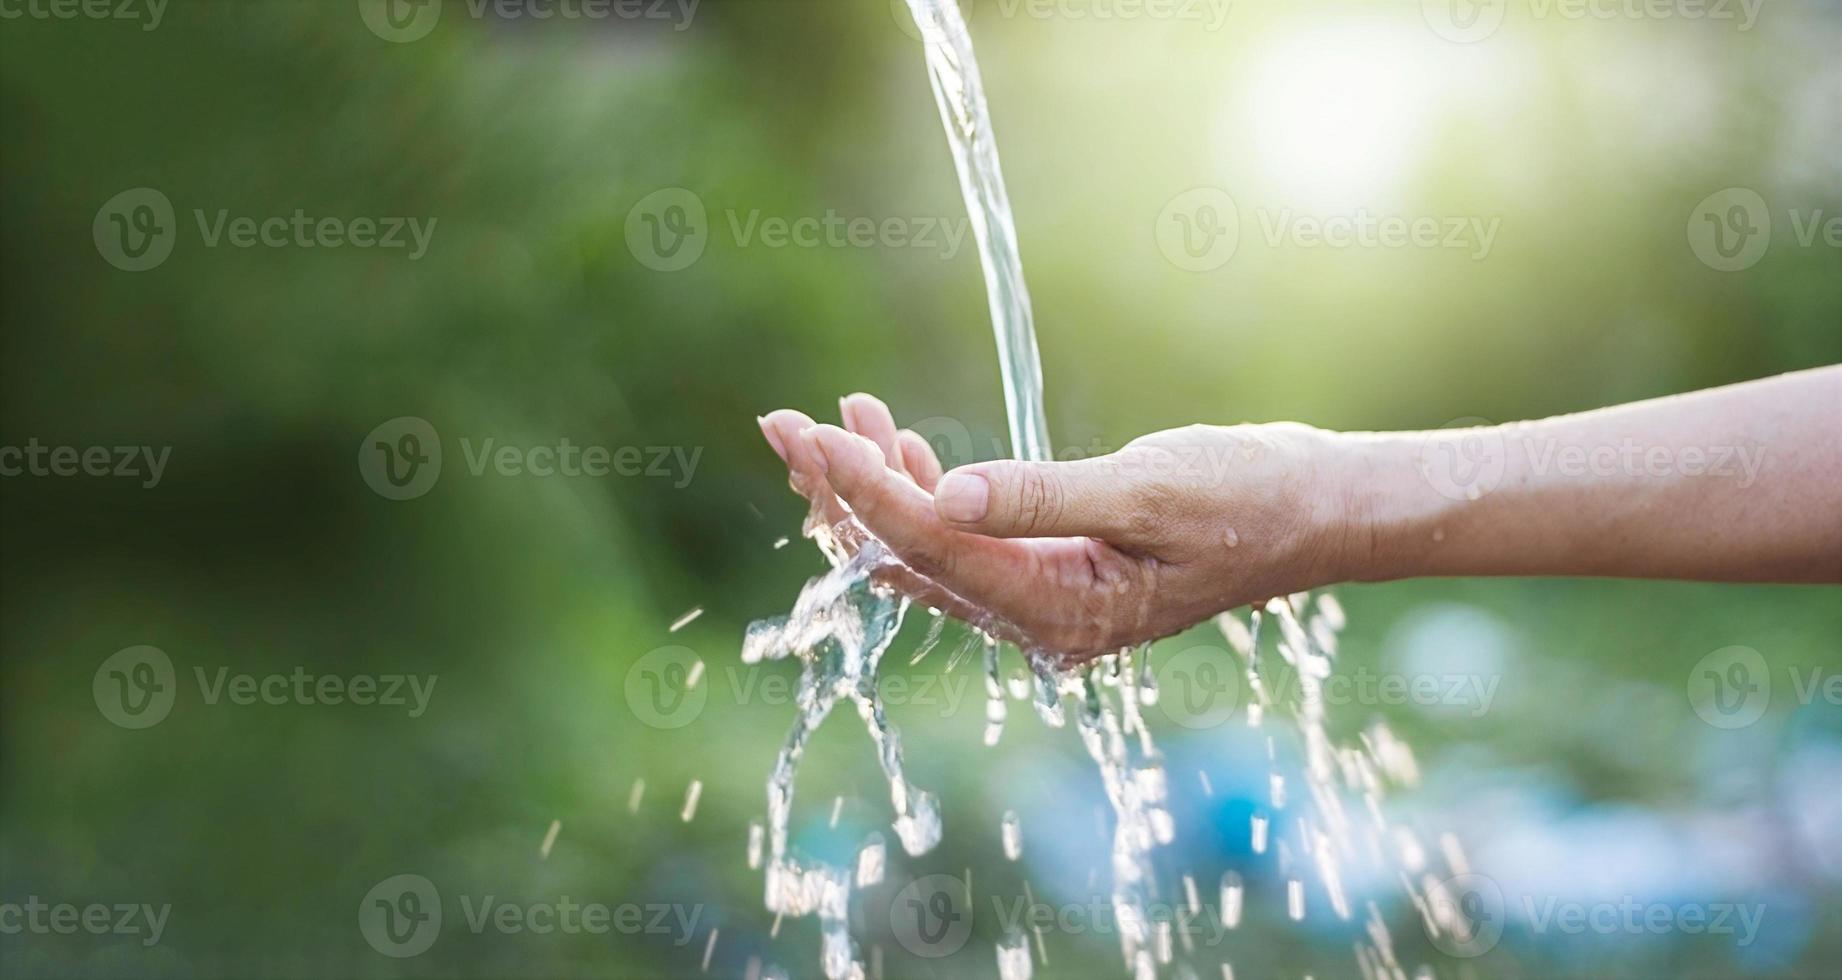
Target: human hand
(1076, 559)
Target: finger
(804, 472)
(867, 416)
(918, 456)
(782, 430)
(773, 437)
(991, 574)
(1015, 499)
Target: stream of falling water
(842, 625)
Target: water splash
(843, 623)
(839, 629)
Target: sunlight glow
(1335, 115)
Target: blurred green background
(1589, 143)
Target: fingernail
(773, 437)
(962, 497)
(810, 437)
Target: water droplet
(1295, 899)
(1014, 961)
(1011, 830)
(1230, 537)
(685, 620)
(691, 796)
(1233, 896)
(871, 860)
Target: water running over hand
(842, 624)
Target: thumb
(1016, 499)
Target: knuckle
(1040, 502)
(1152, 507)
(931, 562)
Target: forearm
(1742, 483)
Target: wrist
(1385, 497)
